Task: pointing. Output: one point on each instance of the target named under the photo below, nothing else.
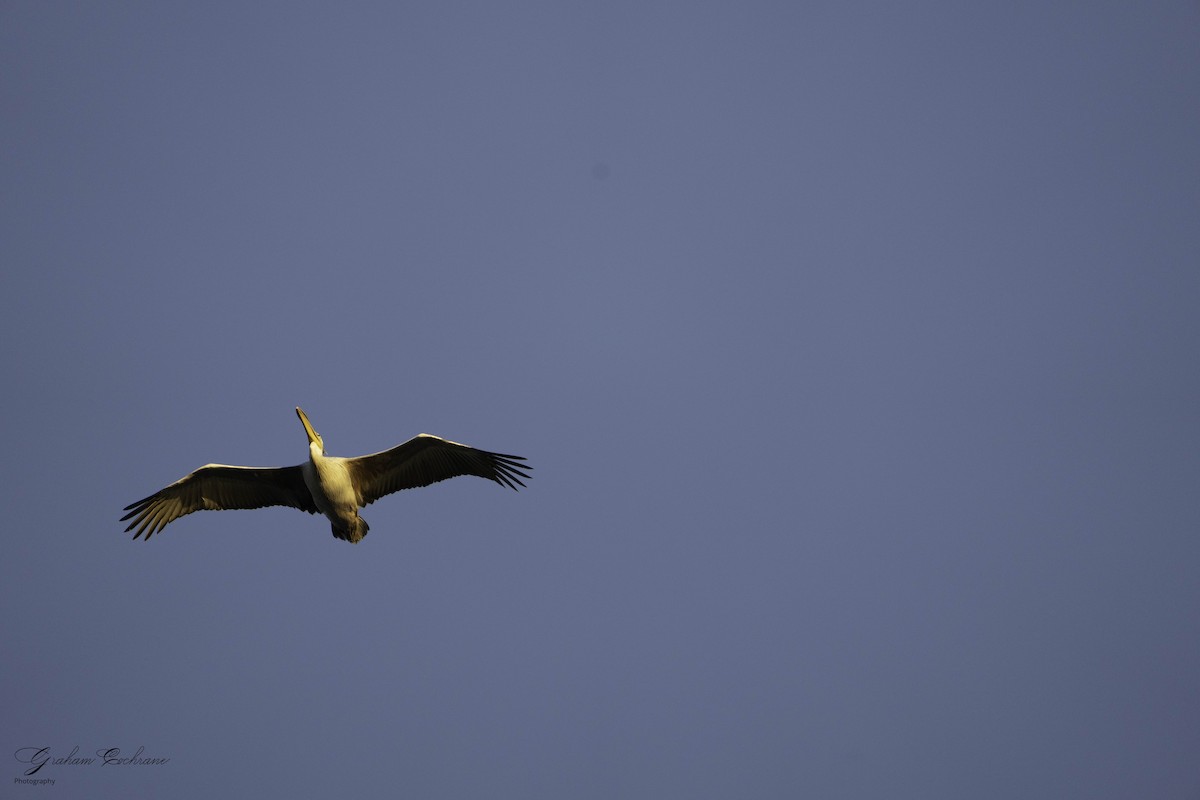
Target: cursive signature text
(39, 757)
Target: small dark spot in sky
(600, 170)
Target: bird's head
(313, 436)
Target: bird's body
(328, 481)
(333, 486)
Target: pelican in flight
(336, 487)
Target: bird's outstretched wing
(216, 487)
(427, 459)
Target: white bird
(336, 487)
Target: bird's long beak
(308, 428)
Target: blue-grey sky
(855, 347)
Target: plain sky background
(855, 346)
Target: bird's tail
(354, 532)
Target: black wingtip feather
(508, 469)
